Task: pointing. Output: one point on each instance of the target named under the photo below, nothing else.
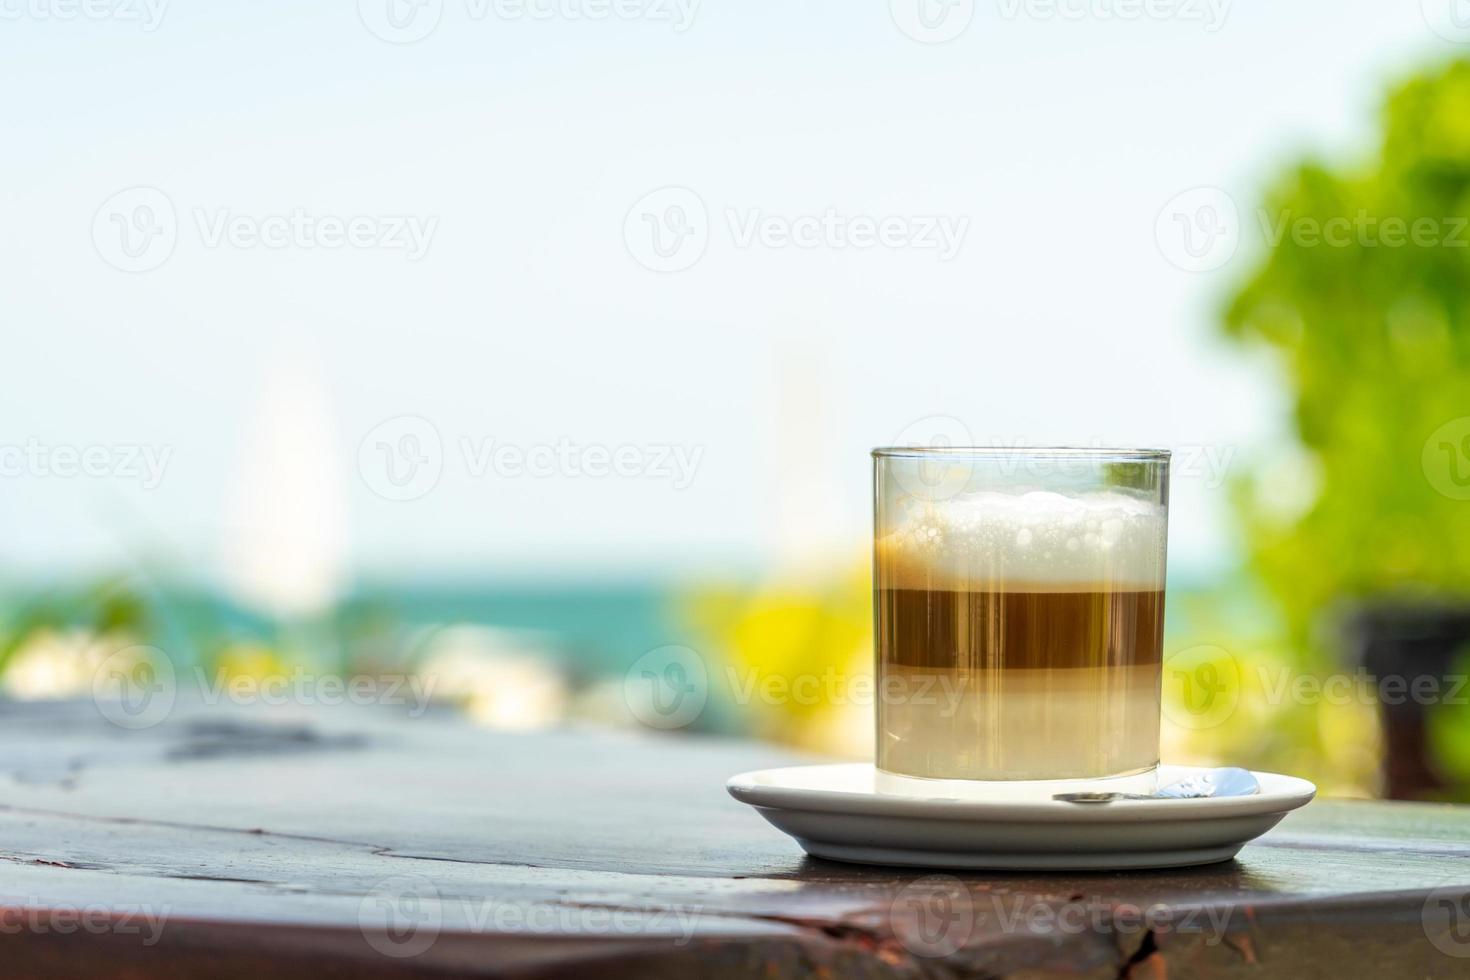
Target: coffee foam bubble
(1034, 542)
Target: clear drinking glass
(1019, 616)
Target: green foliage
(1373, 332)
(111, 604)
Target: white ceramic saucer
(836, 812)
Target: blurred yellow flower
(250, 660)
(800, 659)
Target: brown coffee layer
(983, 631)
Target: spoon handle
(1102, 797)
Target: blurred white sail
(286, 538)
(810, 528)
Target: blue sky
(521, 147)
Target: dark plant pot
(1409, 647)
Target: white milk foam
(1032, 542)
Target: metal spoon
(1229, 781)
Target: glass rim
(1024, 452)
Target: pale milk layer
(1081, 723)
(1031, 542)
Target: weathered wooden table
(248, 843)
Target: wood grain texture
(326, 843)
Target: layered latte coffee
(1020, 635)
